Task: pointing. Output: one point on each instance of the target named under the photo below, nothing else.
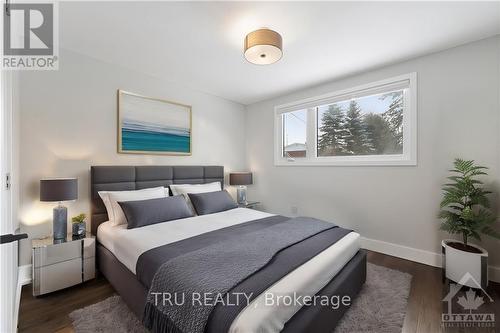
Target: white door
(8, 251)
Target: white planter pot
(458, 263)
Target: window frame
(407, 158)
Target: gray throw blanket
(216, 269)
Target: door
(8, 248)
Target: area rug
(380, 307)
(381, 304)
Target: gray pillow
(145, 212)
(212, 202)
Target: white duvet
(128, 244)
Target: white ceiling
(199, 44)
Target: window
(294, 133)
(370, 125)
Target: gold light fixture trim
(263, 47)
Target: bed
(340, 269)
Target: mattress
(128, 244)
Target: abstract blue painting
(149, 125)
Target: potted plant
(78, 224)
(465, 211)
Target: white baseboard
(24, 275)
(494, 273)
(401, 251)
(23, 278)
(417, 255)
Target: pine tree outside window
(373, 124)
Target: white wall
(458, 116)
(68, 123)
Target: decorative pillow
(145, 212)
(185, 189)
(111, 198)
(212, 202)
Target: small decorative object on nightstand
(59, 190)
(78, 226)
(241, 179)
(62, 263)
(250, 204)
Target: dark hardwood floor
(50, 313)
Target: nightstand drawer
(57, 276)
(49, 255)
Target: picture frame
(153, 126)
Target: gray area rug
(381, 304)
(380, 307)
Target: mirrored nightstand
(58, 264)
(250, 204)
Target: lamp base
(60, 222)
(241, 194)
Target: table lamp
(59, 190)
(241, 179)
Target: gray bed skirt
(309, 319)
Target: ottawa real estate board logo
(30, 36)
(470, 308)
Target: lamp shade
(58, 189)
(240, 178)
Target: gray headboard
(122, 178)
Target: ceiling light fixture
(263, 47)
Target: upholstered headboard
(123, 178)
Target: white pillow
(184, 189)
(111, 199)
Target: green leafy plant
(79, 218)
(465, 205)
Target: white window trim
(409, 156)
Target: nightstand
(249, 204)
(58, 264)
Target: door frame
(8, 252)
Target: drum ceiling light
(263, 47)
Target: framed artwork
(149, 125)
